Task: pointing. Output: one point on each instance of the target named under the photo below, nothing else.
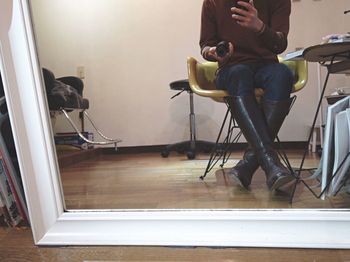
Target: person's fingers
(231, 48)
(239, 18)
(239, 11)
(212, 52)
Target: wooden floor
(148, 181)
(16, 245)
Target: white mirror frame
(52, 226)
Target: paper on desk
(295, 55)
(336, 38)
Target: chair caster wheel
(164, 153)
(191, 155)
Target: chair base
(105, 140)
(191, 147)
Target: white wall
(310, 21)
(133, 49)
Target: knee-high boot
(275, 112)
(253, 125)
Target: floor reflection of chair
(202, 83)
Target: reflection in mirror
(123, 55)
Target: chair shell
(202, 76)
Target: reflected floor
(148, 181)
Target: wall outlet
(81, 72)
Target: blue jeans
(275, 79)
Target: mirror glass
(126, 53)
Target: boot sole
(281, 181)
(238, 181)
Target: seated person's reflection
(254, 33)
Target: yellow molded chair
(202, 82)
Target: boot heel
(281, 181)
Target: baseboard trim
(74, 157)
(292, 145)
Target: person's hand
(224, 59)
(247, 18)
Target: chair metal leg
(298, 176)
(108, 141)
(229, 141)
(222, 150)
(98, 131)
(191, 154)
(82, 118)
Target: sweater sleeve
(274, 35)
(208, 33)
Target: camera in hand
(222, 48)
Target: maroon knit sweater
(249, 47)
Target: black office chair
(64, 95)
(192, 146)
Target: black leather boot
(253, 125)
(275, 112)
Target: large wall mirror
(129, 52)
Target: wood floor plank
(139, 181)
(149, 181)
(3, 232)
(18, 246)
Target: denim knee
(279, 83)
(238, 80)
